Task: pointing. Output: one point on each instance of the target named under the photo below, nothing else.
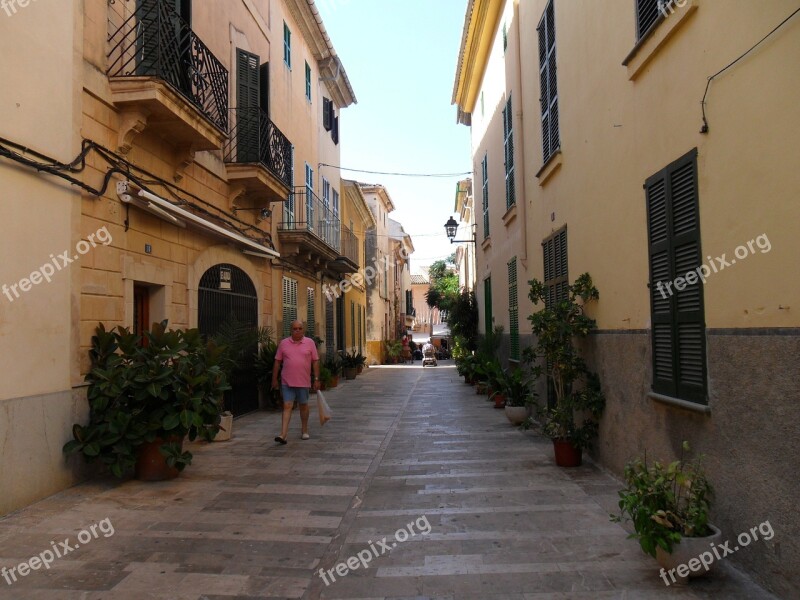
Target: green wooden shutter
(352, 324)
(485, 177)
(678, 316)
(508, 150)
(513, 309)
(247, 102)
(311, 318)
(487, 303)
(556, 266)
(548, 82)
(287, 45)
(289, 305)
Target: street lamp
(451, 227)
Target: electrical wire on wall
(119, 165)
(704, 129)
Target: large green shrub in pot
(578, 399)
(168, 388)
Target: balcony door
(247, 110)
(163, 41)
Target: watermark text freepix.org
(716, 265)
(366, 556)
(57, 263)
(11, 6)
(364, 276)
(706, 559)
(57, 550)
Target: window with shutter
(513, 309)
(330, 339)
(508, 149)
(551, 139)
(308, 82)
(248, 97)
(360, 330)
(485, 179)
(311, 318)
(352, 324)
(309, 197)
(678, 316)
(327, 114)
(289, 305)
(487, 303)
(287, 45)
(335, 131)
(288, 207)
(556, 272)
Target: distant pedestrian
(297, 354)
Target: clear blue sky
(401, 59)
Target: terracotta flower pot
(499, 401)
(334, 381)
(151, 465)
(350, 373)
(360, 369)
(567, 455)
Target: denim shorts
(294, 394)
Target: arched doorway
(226, 294)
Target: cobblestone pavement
(408, 451)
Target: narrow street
(485, 512)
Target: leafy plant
(265, 363)
(462, 319)
(516, 386)
(351, 360)
(578, 401)
(168, 388)
(334, 365)
(394, 348)
(665, 503)
(325, 376)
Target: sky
(400, 57)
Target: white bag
(324, 409)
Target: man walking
(297, 354)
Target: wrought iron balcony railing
(349, 245)
(256, 139)
(154, 41)
(304, 211)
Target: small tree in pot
(571, 419)
(150, 395)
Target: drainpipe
(522, 206)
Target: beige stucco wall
(616, 132)
(618, 126)
(41, 218)
(507, 227)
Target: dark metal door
(226, 294)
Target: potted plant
(361, 360)
(350, 364)
(325, 378)
(669, 506)
(334, 365)
(264, 365)
(494, 382)
(146, 398)
(394, 348)
(571, 418)
(519, 394)
(239, 343)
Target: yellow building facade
(184, 174)
(649, 146)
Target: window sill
(645, 49)
(552, 165)
(486, 243)
(510, 215)
(669, 400)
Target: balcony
(163, 77)
(258, 156)
(312, 233)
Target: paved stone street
(407, 449)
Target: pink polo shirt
(296, 358)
